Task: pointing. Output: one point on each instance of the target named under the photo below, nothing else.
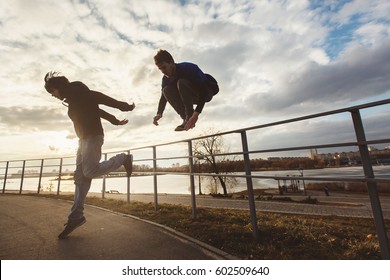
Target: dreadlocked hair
(53, 80)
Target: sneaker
(70, 226)
(181, 127)
(128, 164)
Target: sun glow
(60, 143)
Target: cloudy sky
(274, 60)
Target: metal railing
(361, 142)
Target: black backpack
(212, 84)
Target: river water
(179, 184)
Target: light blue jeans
(88, 166)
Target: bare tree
(208, 149)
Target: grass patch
(282, 236)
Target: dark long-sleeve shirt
(191, 72)
(84, 109)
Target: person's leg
(88, 166)
(76, 217)
(172, 96)
(91, 155)
(82, 186)
(188, 95)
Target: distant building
(286, 158)
(313, 153)
(353, 158)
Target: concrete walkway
(30, 226)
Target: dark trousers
(182, 96)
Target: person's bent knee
(78, 177)
(89, 173)
(169, 91)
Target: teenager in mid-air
(183, 85)
(84, 111)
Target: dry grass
(282, 236)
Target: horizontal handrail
(312, 116)
(361, 143)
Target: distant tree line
(228, 166)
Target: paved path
(30, 225)
(351, 205)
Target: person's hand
(125, 107)
(192, 121)
(123, 122)
(156, 118)
(131, 107)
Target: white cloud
(273, 59)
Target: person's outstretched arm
(103, 99)
(161, 107)
(111, 118)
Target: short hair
(54, 81)
(163, 56)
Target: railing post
(303, 180)
(104, 180)
(128, 184)
(249, 184)
(5, 176)
(155, 178)
(59, 177)
(371, 186)
(22, 178)
(40, 177)
(192, 180)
